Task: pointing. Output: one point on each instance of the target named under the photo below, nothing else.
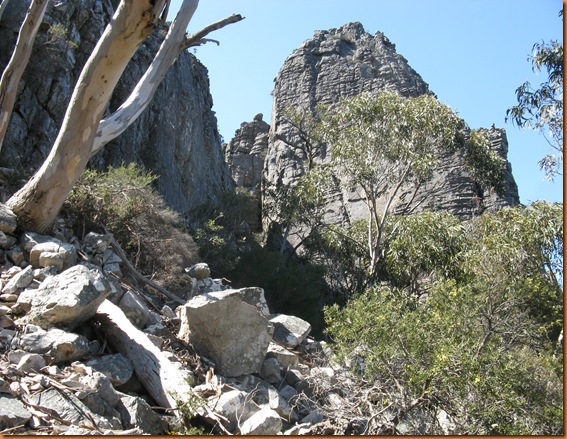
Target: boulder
(68, 299)
(286, 358)
(12, 412)
(136, 413)
(70, 408)
(8, 219)
(264, 422)
(271, 371)
(19, 281)
(59, 345)
(229, 327)
(199, 271)
(136, 310)
(66, 251)
(31, 362)
(116, 367)
(236, 406)
(290, 330)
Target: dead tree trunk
(39, 201)
(167, 382)
(17, 64)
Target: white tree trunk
(17, 64)
(114, 125)
(166, 381)
(39, 201)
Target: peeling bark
(39, 201)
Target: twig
(116, 247)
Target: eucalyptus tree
(83, 130)
(383, 143)
(542, 108)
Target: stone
(136, 310)
(341, 63)
(68, 299)
(116, 367)
(67, 252)
(6, 322)
(19, 281)
(59, 345)
(8, 219)
(290, 330)
(16, 255)
(96, 243)
(286, 358)
(236, 406)
(12, 412)
(136, 413)
(271, 371)
(229, 328)
(52, 259)
(281, 406)
(265, 422)
(199, 271)
(246, 152)
(31, 362)
(70, 408)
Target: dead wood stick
(132, 270)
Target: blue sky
(473, 54)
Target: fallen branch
(132, 270)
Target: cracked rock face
(176, 137)
(344, 62)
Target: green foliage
(220, 229)
(422, 246)
(481, 344)
(542, 108)
(123, 202)
(485, 164)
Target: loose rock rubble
(254, 372)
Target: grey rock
(271, 370)
(71, 408)
(341, 63)
(12, 412)
(176, 137)
(236, 406)
(19, 281)
(136, 413)
(290, 330)
(286, 358)
(281, 406)
(59, 345)
(31, 362)
(8, 219)
(264, 422)
(199, 271)
(229, 328)
(52, 259)
(136, 310)
(246, 152)
(67, 252)
(16, 255)
(68, 299)
(116, 367)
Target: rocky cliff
(344, 62)
(176, 137)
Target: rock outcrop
(176, 137)
(342, 63)
(246, 152)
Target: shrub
(123, 202)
